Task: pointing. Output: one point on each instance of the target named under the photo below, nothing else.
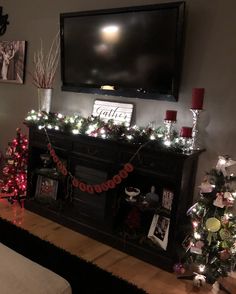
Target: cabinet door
(91, 207)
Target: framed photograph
(167, 199)
(12, 61)
(46, 188)
(159, 230)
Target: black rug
(84, 277)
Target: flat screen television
(130, 52)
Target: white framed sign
(118, 112)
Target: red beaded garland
(75, 182)
(104, 187)
(97, 188)
(129, 167)
(59, 165)
(123, 174)
(82, 186)
(64, 171)
(55, 158)
(109, 184)
(90, 189)
(52, 152)
(117, 179)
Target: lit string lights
(96, 127)
(211, 246)
(13, 183)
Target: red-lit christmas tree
(13, 182)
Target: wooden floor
(144, 275)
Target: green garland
(96, 127)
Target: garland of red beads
(91, 189)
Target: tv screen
(133, 51)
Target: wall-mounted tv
(131, 52)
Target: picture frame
(159, 230)
(167, 199)
(12, 61)
(46, 188)
(119, 112)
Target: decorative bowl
(132, 193)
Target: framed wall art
(12, 61)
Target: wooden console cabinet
(108, 216)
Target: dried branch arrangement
(46, 65)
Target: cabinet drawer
(58, 141)
(158, 164)
(100, 151)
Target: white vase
(44, 99)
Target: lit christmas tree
(13, 181)
(211, 245)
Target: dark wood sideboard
(108, 216)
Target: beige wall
(209, 61)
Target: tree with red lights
(13, 182)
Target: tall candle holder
(195, 133)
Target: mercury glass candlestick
(186, 139)
(168, 131)
(195, 133)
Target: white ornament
(223, 163)
(218, 202)
(199, 280)
(229, 196)
(205, 187)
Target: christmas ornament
(179, 268)
(223, 163)
(224, 234)
(213, 225)
(206, 187)
(199, 244)
(196, 250)
(224, 220)
(219, 200)
(199, 280)
(224, 254)
(228, 199)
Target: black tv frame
(127, 92)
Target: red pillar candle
(186, 132)
(171, 115)
(197, 98)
